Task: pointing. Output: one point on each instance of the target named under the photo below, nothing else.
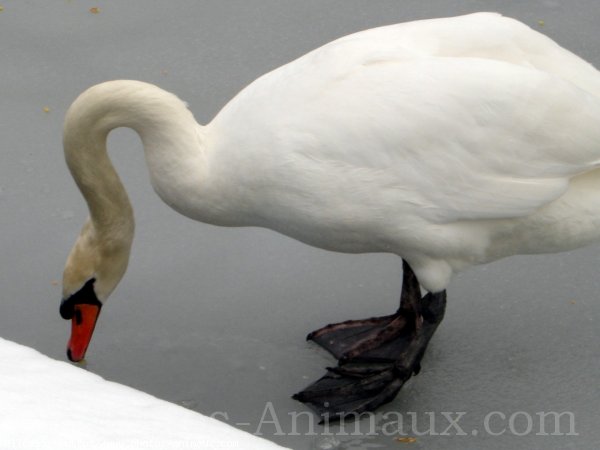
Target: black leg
(377, 355)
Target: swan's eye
(84, 296)
(66, 309)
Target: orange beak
(83, 323)
(83, 309)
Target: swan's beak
(83, 309)
(83, 323)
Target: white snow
(48, 404)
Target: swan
(450, 142)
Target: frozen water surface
(214, 319)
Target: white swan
(449, 142)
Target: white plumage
(450, 142)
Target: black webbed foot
(352, 390)
(376, 356)
(360, 338)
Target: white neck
(172, 143)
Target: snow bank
(47, 404)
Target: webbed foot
(376, 356)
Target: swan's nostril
(78, 318)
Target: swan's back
(480, 35)
(395, 138)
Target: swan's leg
(353, 338)
(377, 355)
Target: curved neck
(172, 143)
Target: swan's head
(94, 267)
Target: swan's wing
(451, 138)
(479, 35)
(432, 118)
